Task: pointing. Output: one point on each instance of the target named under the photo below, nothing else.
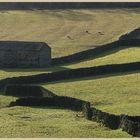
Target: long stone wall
(55, 101)
(130, 124)
(22, 90)
(71, 74)
(100, 50)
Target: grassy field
(120, 56)
(119, 94)
(42, 122)
(54, 27)
(116, 94)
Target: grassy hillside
(120, 56)
(54, 27)
(119, 94)
(115, 57)
(33, 122)
(116, 94)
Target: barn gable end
(24, 54)
(45, 55)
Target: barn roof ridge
(21, 45)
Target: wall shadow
(49, 69)
(98, 51)
(72, 74)
(93, 77)
(107, 53)
(130, 124)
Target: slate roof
(22, 46)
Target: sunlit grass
(119, 94)
(123, 56)
(127, 55)
(33, 122)
(54, 27)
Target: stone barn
(24, 54)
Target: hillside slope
(68, 31)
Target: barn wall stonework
(45, 57)
(38, 57)
(19, 58)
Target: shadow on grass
(93, 77)
(49, 69)
(99, 55)
(62, 67)
(90, 54)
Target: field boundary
(130, 124)
(71, 74)
(95, 52)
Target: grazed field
(116, 94)
(115, 57)
(54, 27)
(119, 94)
(120, 56)
(112, 93)
(42, 122)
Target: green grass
(53, 27)
(41, 122)
(127, 55)
(119, 94)
(120, 56)
(5, 73)
(115, 94)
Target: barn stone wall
(45, 57)
(25, 58)
(7, 59)
(19, 58)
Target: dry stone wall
(100, 50)
(28, 90)
(130, 124)
(71, 74)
